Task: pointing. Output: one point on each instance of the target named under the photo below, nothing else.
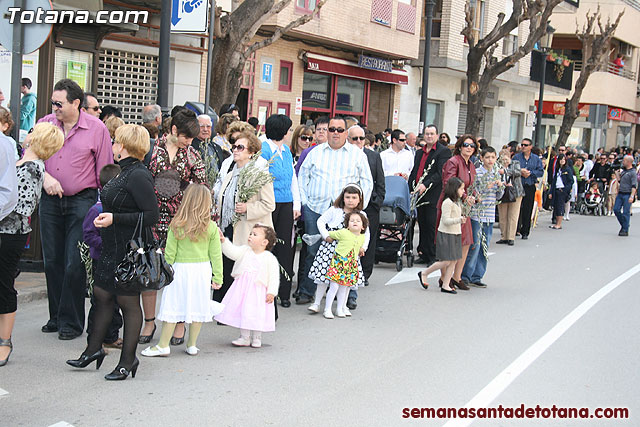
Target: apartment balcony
(611, 68)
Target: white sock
(333, 290)
(342, 297)
(321, 288)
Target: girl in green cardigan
(343, 270)
(193, 248)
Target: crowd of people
(231, 209)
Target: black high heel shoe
(85, 360)
(121, 373)
(178, 340)
(146, 339)
(6, 343)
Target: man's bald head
(627, 161)
(356, 136)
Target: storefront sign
(622, 115)
(378, 64)
(77, 71)
(298, 109)
(557, 108)
(188, 16)
(342, 67)
(313, 96)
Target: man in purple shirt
(71, 185)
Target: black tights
(132, 314)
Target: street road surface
(404, 347)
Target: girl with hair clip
(349, 200)
(249, 303)
(193, 248)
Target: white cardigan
(334, 217)
(269, 273)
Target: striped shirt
(325, 172)
(485, 210)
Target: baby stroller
(395, 238)
(593, 204)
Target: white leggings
(342, 292)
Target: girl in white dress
(193, 248)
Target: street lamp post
(545, 46)
(429, 5)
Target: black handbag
(144, 267)
(509, 195)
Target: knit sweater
(347, 241)
(206, 248)
(451, 218)
(269, 275)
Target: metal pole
(425, 66)
(540, 99)
(207, 93)
(16, 70)
(164, 56)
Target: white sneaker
(156, 351)
(192, 351)
(328, 314)
(256, 343)
(241, 342)
(340, 313)
(346, 312)
(313, 307)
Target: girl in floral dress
(344, 270)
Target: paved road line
(511, 372)
(3, 392)
(61, 424)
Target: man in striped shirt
(325, 172)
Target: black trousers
(282, 218)
(303, 254)
(370, 255)
(11, 248)
(427, 216)
(524, 223)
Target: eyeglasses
(468, 145)
(402, 139)
(358, 138)
(238, 147)
(57, 104)
(232, 141)
(561, 150)
(88, 108)
(306, 138)
(525, 145)
(321, 129)
(339, 130)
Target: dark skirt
(559, 200)
(448, 246)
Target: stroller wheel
(399, 264)
(409, 261)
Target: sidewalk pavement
(31, 287)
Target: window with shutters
(127, 80)
(485, 125)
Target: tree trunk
(225, 74)
(476, 94)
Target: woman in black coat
(124, 198)
(560, 190)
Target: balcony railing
(611, 68)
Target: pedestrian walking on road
(531, 170)
(44, 142)
(449, 236)
(124, 199)
(193, 248)
(71, 183)
(626, 194)
(249, 305)
(560, 190)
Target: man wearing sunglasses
(90, 105)
(396, 161)
(326, 171)
(357, 138)
(71, 185)
(531, 170)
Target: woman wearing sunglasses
(461, 166)
(301, 139)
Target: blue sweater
(282, 170)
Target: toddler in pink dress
(249, 302)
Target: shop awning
(342, 67)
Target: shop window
(316, 91)
(306, 6)
(286, 75)
(350, 95)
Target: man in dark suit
(429, 160)
(357, 138)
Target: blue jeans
(476, 264)
(306, 285)
(61, 230)
(622, 209)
